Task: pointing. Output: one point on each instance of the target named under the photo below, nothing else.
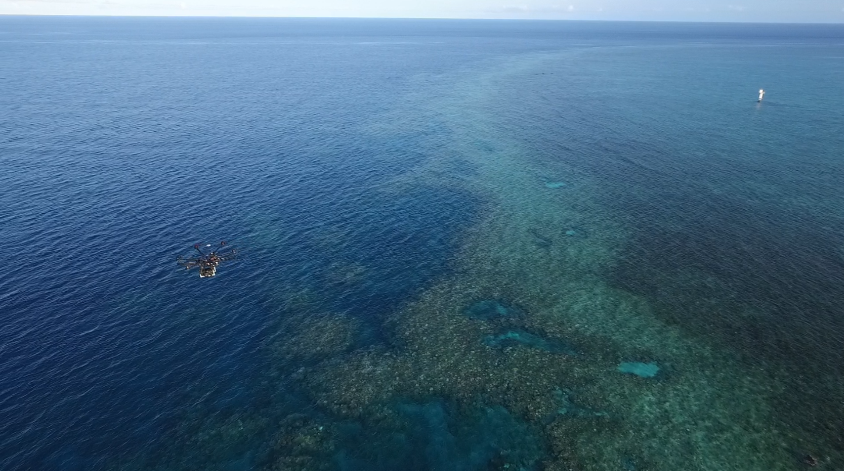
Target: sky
(810, 11)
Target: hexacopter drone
(207, 262)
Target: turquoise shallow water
(453, 234)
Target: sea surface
(463, 245)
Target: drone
(208, 261)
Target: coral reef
(467, 382)
(642, 370)
(306, 338)
(489, 309)
(301, 443)
(521, 337)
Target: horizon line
(105, 15)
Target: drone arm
(226, 256)
(188, 263)
(219, 247)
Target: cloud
(515, 9)
(735, 7)
(533, 10)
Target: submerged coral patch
(643, 370)
(437, 435)
(490, 309)
(569, 408)
(540, 239)
(575, 232)
(521, 337)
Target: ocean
(462, 245)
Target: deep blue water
(125, 141)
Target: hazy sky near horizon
(660, 10)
